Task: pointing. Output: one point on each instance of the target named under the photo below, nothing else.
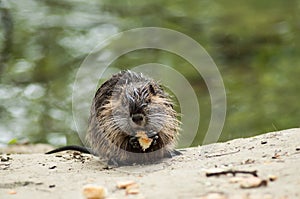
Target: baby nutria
(132, 120)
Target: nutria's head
(141, 106)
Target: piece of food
(130, 186)
(94, 192)
(125, 184)
(12, 192)
(132, 191)
(143, 139)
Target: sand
(274, 156)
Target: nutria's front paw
(133, 141)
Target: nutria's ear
(152, 90)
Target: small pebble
(252, 182)
(52, 167)
(249, 161)
(263, 142)
(272, 177)
(4, 158)
(52, 186)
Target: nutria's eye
(151, 89)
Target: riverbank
(274, 157)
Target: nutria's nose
(138, 118)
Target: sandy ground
(275, 156)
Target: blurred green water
(255, 45)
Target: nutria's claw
(133, 141)
(154, 142)
(154, 138)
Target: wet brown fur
(110, 128)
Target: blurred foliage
(255, 45)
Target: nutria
(132, 120)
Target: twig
(233, 172)
(218, 155)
